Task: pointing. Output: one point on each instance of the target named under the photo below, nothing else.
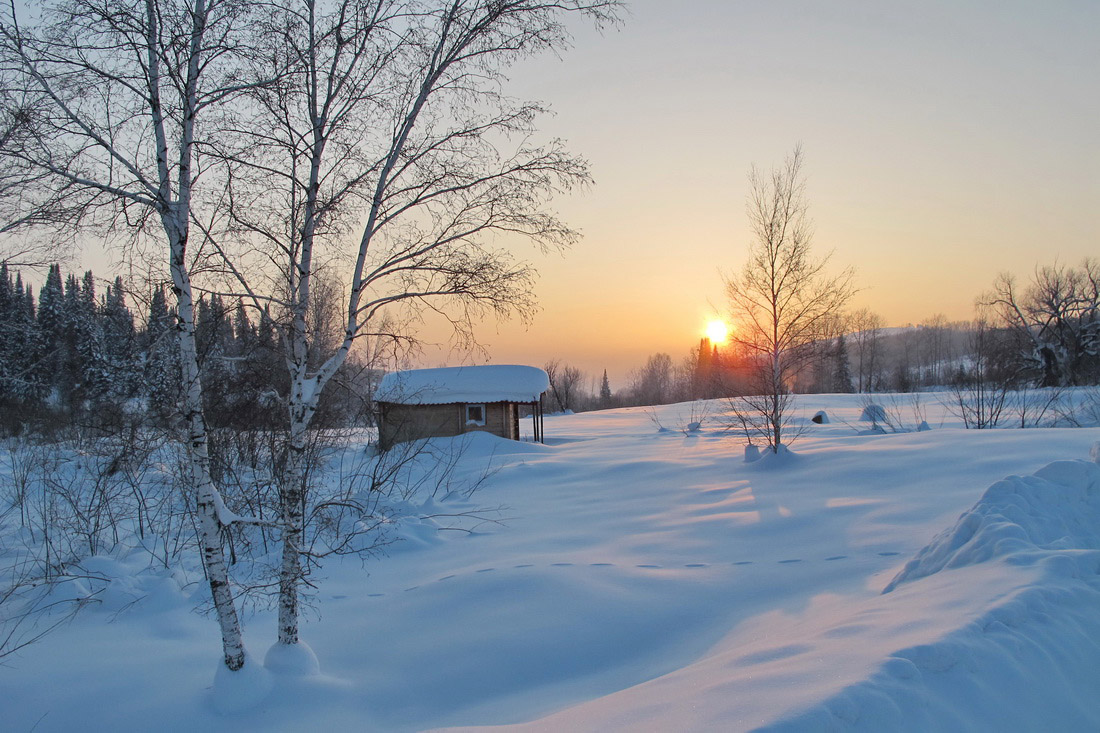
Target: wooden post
(542, 425)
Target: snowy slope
(654, 580)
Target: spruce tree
(842, 374)
(214, 339)
(10, 313)
(7, 293)
(161, 359)
(50, 335)
(119, 346)
(244, 333)
(72, 379)
(89, 342)
(25, 342)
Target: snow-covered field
(648, 580)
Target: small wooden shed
(437, 403)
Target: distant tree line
(75, 353)
(1042, 333)
(69, 351)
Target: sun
(718, 332)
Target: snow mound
(1057, 509)
(482, 445)
(119, 586)
(1028, 663)
(297, 660)
(235, 692)
(780, 457)
(873, 413)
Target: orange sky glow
(943, 143)
(936, 156)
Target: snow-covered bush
(895, 413)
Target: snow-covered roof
(488, 383)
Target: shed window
(475, 414)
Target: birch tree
(783, 300)
(391, 159)
(104, 101)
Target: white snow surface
(646, 580)
(486, 383)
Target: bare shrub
(1079, 408)
(979, 397)
(1032, 408)
(698, 413)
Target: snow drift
(1057, 509)
(1027, 661)
(639, 581)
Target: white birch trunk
(175, 220)
(292, 498)
(208, 500)
(108, 156)
(454, 29)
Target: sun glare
(718, 332)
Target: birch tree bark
(390, 159)
(107, 99)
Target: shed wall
(400, 423)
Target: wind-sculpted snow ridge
(1056, 509)
(1027, 658)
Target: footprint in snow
(836, 557)
(889, 554)
(647, 566)
(785, 562)
(526, 565)
(561, 564)
(599, 565)
(413, 588)
(696, 565)
(744, 562)
(375, 595)
(445, 577)
(486, 570)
